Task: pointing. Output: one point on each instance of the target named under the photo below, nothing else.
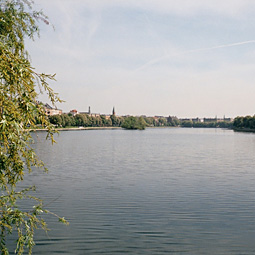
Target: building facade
(49, 110)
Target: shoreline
(75, 129)
(112, 128)
(245, 130)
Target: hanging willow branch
(19, 112)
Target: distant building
(107, 116)
(185, 119)
(88, 112)
(208, 120)
(95, 115)
(196, 120)
(228, 119)
(74, 112)
(159, 117)
(49, 110)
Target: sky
(186, 58)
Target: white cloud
(179, 53)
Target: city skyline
(189, 58)
(113, 112)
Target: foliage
(106, 122)
(247, 122)
(212, 124)
(82, 120)
(86, 120)
(132, 122)
(115, 121)
(19, 109)
(173, 121)
(187, 123)
(56, 120)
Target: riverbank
(75, 128)
(247, 130)
(112, 128)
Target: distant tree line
(213, 124)
(130, 122)
(244, 123)
(84, 120)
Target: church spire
(113, 111)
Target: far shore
(111, 128)
(248, 130)
(75, 128)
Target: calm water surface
(158, 191)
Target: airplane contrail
(156, 60)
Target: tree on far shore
(132, 122)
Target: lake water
(158, 191)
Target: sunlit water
(158, 191)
